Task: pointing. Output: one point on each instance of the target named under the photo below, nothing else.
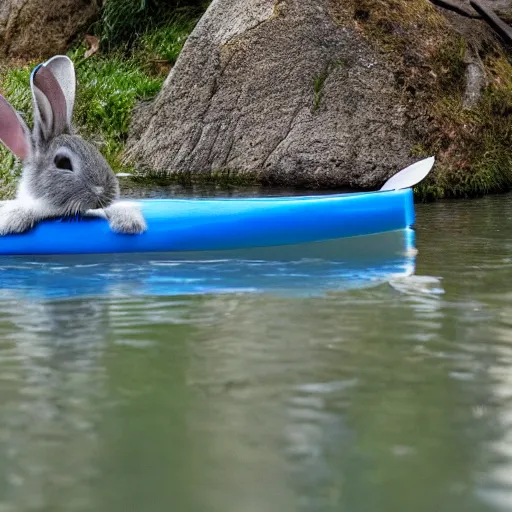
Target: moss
(472, 146)
(392, 24)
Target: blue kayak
(190, 225)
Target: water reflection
(50, 382)
(294, 270)
(496, 485)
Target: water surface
(372, 392)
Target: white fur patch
(126, 217)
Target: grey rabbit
(62, 174)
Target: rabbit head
(61, 170)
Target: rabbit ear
(50, 111)
(63, 70)
(13, 131)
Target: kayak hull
(197, 225)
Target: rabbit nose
(98, 190)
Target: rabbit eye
(63, 162)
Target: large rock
(36, 29)
(280, 91)
(333, 93)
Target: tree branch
(454, 6)
(496, 23)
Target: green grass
(140, 40)
(318, 86)
(125, 21)
(165, 42)
(113, 80)
(10, 169)
(319, 82)
(108, 88)
(15, 87)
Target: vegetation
(472, 145)
(318, 86)
(319, 82)
(127, 69)
(125, 21)
(479, 159)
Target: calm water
(213, 388)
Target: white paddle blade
(410, 176)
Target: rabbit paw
(15, 218)
(125, 218)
